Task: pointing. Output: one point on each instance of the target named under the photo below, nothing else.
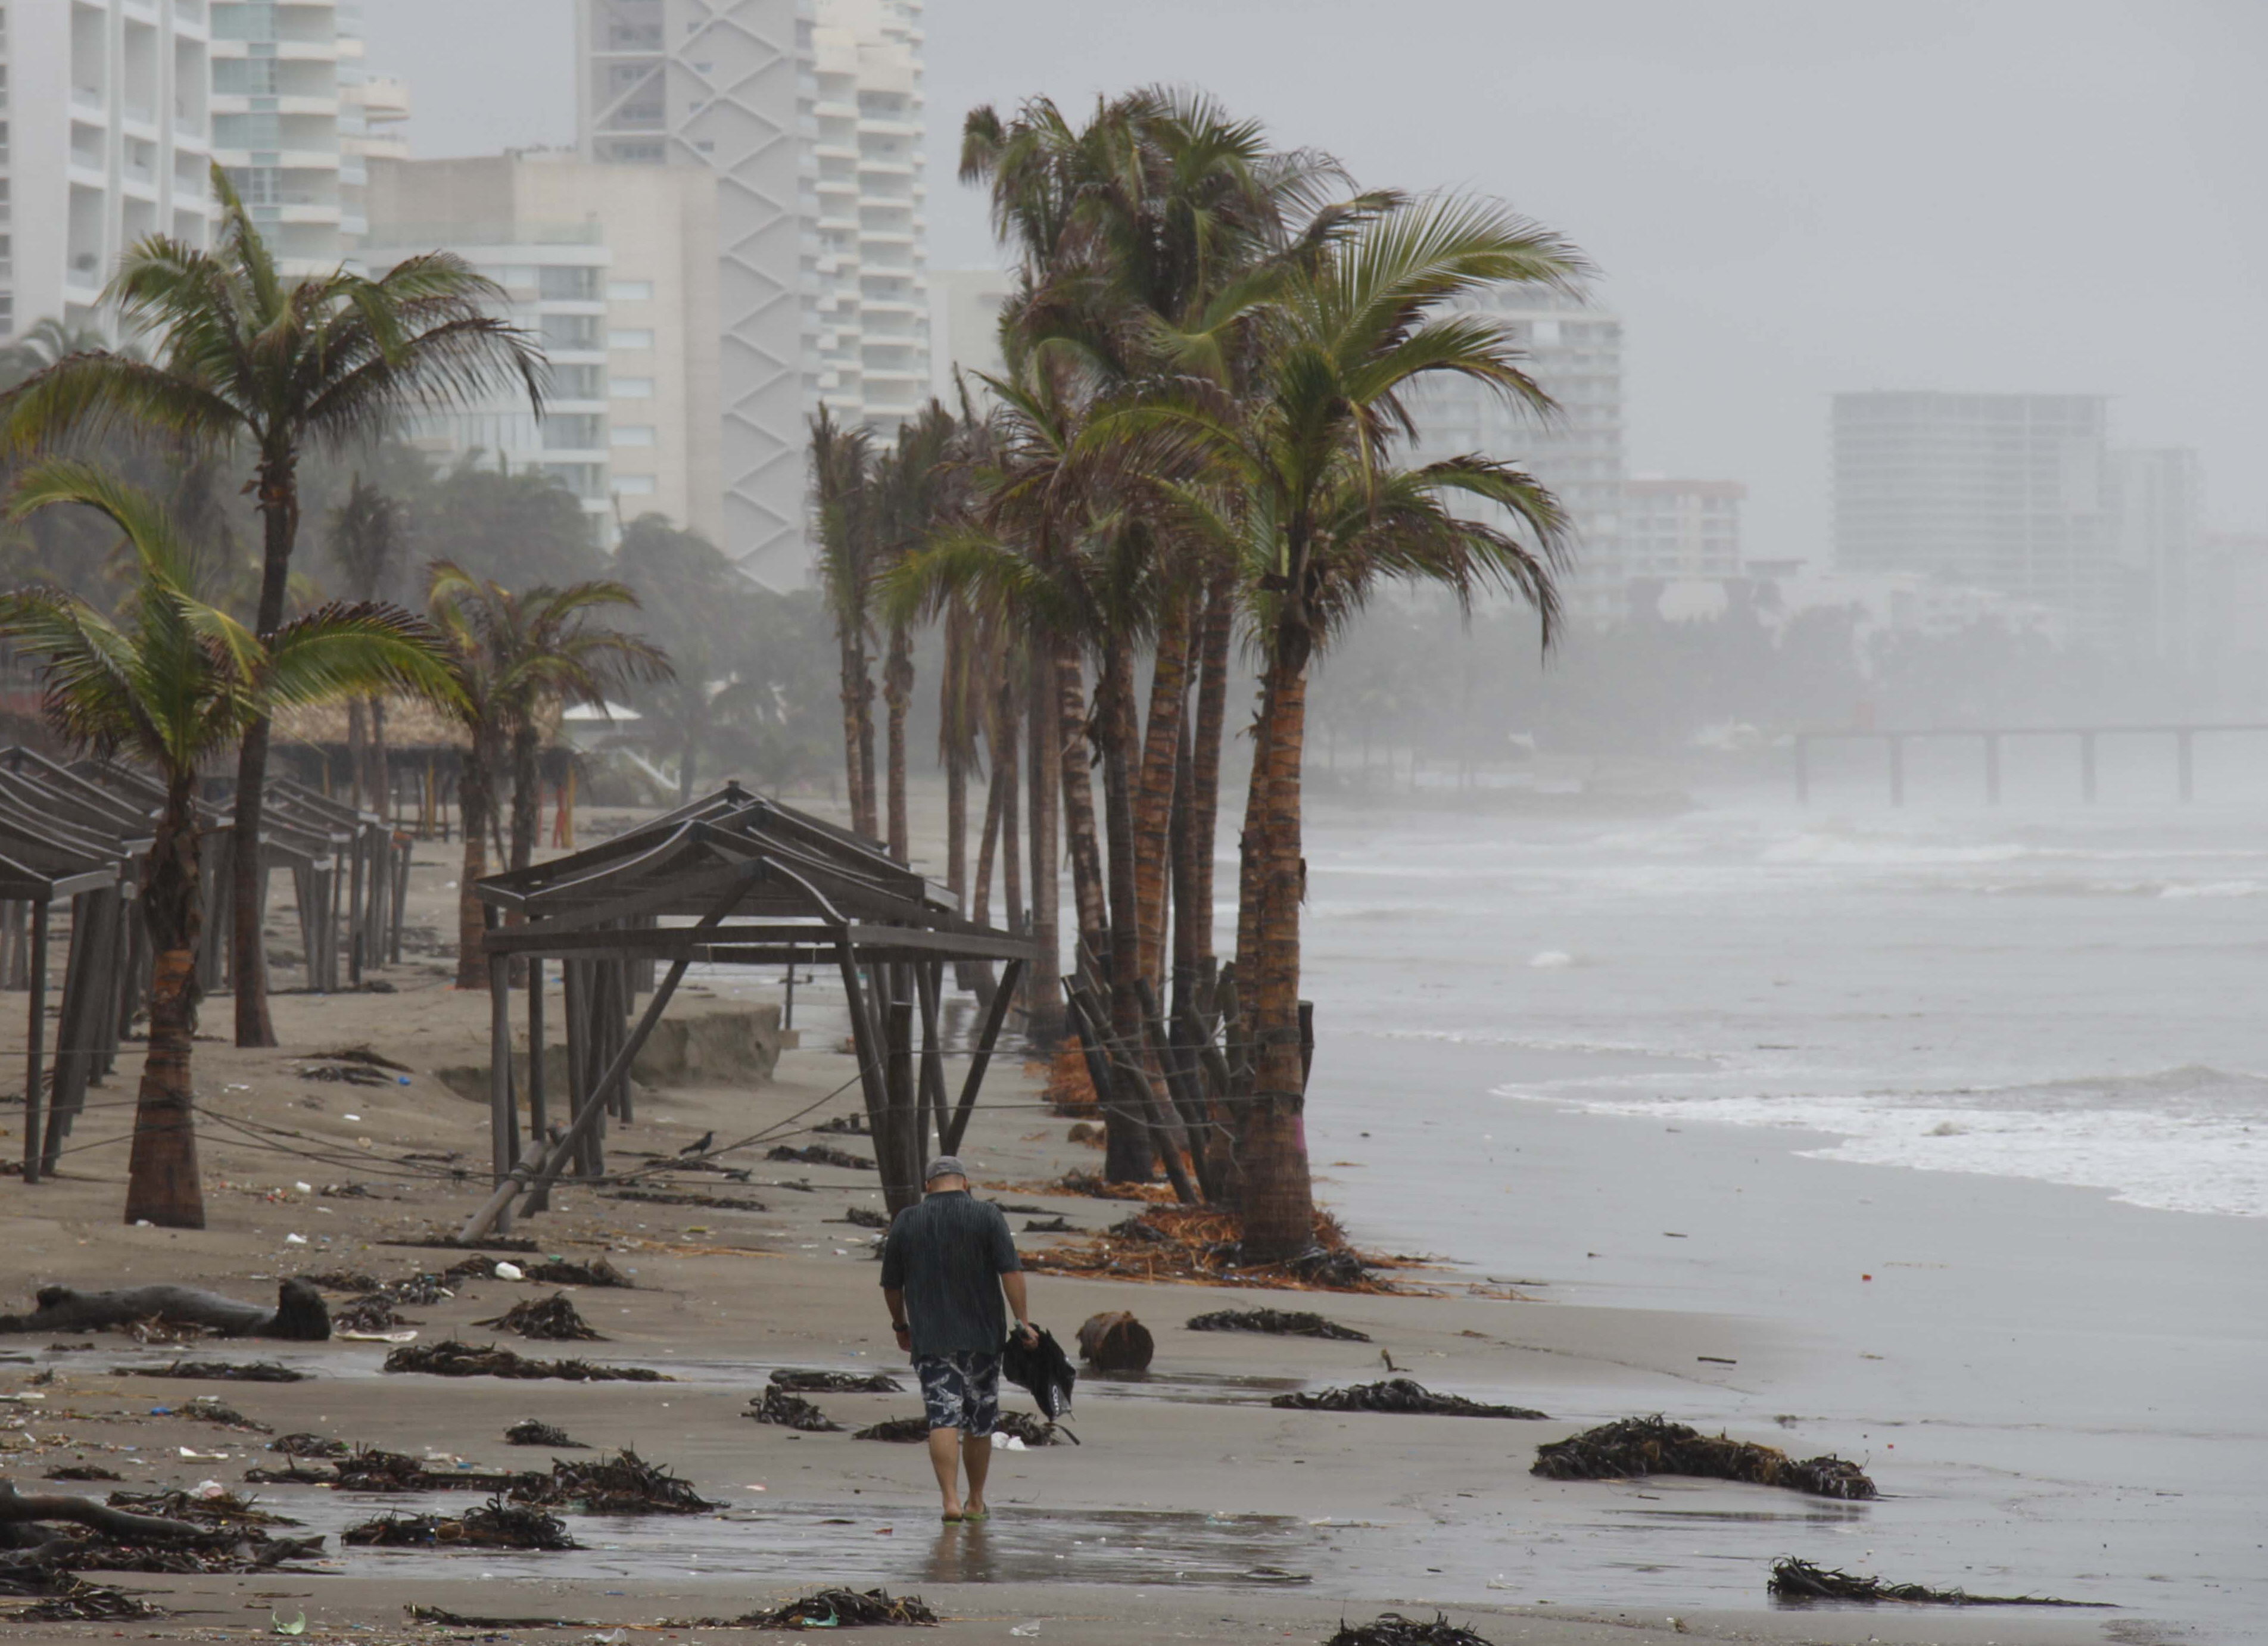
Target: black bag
(1042, 1369)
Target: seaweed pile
(1202, 1245)
(81, 1602)
(819, 1154)
(1633, 1446)
(1069, 1090)
(902, 1429)
(83, 1472)
(369, 1469)
(1405, 1395)
(454, 1359)
(224, 1371)
(683, 1197)
(800, 1381)
(838, 1608)
(210, 1409)
(496, 1525)
(311, 1446)
(624, 1484)
(1793, 1579)
(792, 1411)
(866, 1217)
(1283, 1323)
(534, 1432)
(552, 1319)
(220, 1508)
(65, 1536)
(1391, 1628)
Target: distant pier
(1894, 746)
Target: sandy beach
(1191, 1510)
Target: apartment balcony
(140, 117)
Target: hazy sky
(1786, 197)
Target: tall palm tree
(1306, 493)
(842, 498)
(517, 657)
(365, 540)
(174, 681)
(246, 357)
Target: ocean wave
(2215, 888)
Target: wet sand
(1191, 1510)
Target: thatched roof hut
(411, 725)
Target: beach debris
(1086, 1132)
(530, 1431)
(508, 1271)
(683, 1197)
(624, 1484)
(866, 1217)
(447, 1619)
(792, 1411)
(1057, 1224)
(362, 1056)
(212, 1504)
(1094, 1186)
(89, 1602)
(1793, 1579)
(839, 1608)
(553, 1319)
(567, 1271)
(1405, 1395)
(1281, 1322)
(84, 1472)
(304, 1445)
(210, 1409)
(451, 1243)
(1391, 1628)
(1202, 1245)
(299, 1314)
(819, 1155)
(796, 1381)
(371, 1469)
(1033, 1431)
(844, 1125)
(452, 1359)
(1631, 1446)
(1117, 1342)
(212, 1532)
(224, 1371)
(496, 1525)
(915, 1428)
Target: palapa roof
(765, 882)
(411, 723)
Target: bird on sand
(699, 1146)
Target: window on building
(636, 337)
(578, 383)
(632, 434)
(244, 76)
(571, 431)
(629, 291)
(634, 485)
(568, 331)
(632, 388)
(566, 283)
(247, 131)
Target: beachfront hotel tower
(105, 137)
(287, 117)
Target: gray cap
(945, 1166)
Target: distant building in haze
(2007, 492)
(1574, 351)
(106, 139)
(615, 268)
(1682, 528)
(2157, 498)
(964, 325)
(286, 123)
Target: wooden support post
(1188, 1102)
(901, 1145)
(1993, 768)
(2086, 766)
(502, 1123)
(866, 1045)
(1897, 747)
(1124, 1066)
(355, 910)
(929, 977)
(539, 1109)
(2184, 763)
(34, 1044)
(996, 1013)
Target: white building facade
(1574, 351)
(287, 120)
(107, 139)
(2158, 500)
(1682, 528)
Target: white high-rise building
(105, 139)
(810, 112)
(2158, 496)
(1574, 352)
(285, 121)
(964, 325)
(1682, 528)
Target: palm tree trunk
(897, 697)
(357, 751)
(1213, 638)
(162, 1183)
(1044, 1025)
(475, 801)
(279, 519)
(1127, 1156)
(956, 820)
(527, 795)
(869, 795)
(1153, 795)
(999, 810)
(381, 779)
(1278, 1197)
(1073, 763)
(852, 658)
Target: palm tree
(1307, 495)
(365, 540)
(246, 357)
(174, 681)
(843, 497)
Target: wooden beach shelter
(739, 880)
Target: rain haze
(1103, 853)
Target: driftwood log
(17, 1509)
(1116, 1342)
(299, 1315)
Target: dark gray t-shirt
(946, 1254)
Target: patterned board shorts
(960, 1391)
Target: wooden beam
(929, 984)
(994, 1015)
(34, 1044)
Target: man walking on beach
(944, 1264)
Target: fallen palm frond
(1405, 1395)
(1391, 1628)
(311, 1446)
(224, 1371)
(1202, 1245)
(531, 1432)
(209, 1408)
(792, 1411)
(497, 1525)
(799, 1382)
(841, 1608)
(900, 1428)
(819, 1155)
(1031, 1429)
(1793, 1579)
(454, 1359)
(1283, 1323)
(84, 1472)
(553, 1319)
(1633, 1446)
(362, 1055)
(89, 1602)
(624, 1484)
(218, 1508)
(1057, 1224)
(683, 1197)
